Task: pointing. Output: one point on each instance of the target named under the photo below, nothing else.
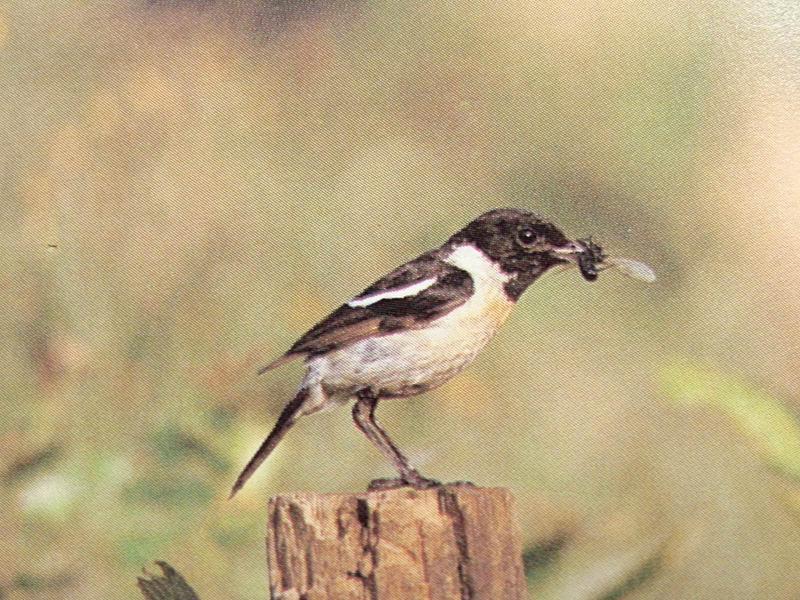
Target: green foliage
(32, 584)
(761, 417)
(169, 490)
(173, 445)
(611, 577)
(637, 578)
(539, 558)
(25, 466)
(138, 549)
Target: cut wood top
(451, 542)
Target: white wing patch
(402, 292)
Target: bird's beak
(570, 251)
(585, 254)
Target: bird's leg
(364, 417)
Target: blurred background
(187, 186)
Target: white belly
(410, 362)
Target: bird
(420, 325)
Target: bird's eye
(527, 236)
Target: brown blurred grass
(216, 178)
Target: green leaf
(34, 462)
(178, 491)
(611, 577)
(33, 583)
(637, 578)
(172, 445)
(763, 418)
(138, 549)
(537, 559)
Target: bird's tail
(285, 421)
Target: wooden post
(450, 543)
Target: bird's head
(524, 246)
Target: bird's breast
(485, 311)
(413, 361)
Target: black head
(521, 243)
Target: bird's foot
(418, 483)
(377, 485)
(461, 484)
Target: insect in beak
(632, 268)
(587, 255)
(591, 259)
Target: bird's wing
(407, 298)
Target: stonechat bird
(423, 323)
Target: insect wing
(634, 269)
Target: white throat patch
(476, 263)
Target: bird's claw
(418, 483)
(461, 484)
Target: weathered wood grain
(448, 543)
